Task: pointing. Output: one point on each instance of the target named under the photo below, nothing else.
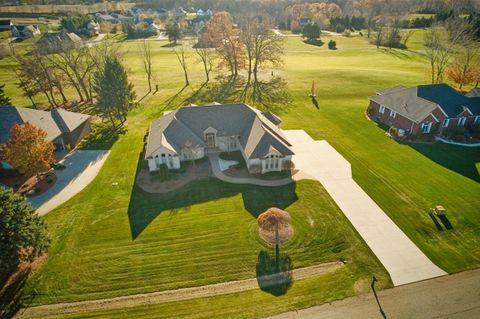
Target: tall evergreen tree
(4, 99)
(115, 94)
(23, 234)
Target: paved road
(454, 297)
(81, 169)
(404, 261)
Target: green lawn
(111, 241)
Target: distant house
(6, 25)
(93, 28)
(424, 109)
(190, 132)
(475, 92)
(153, 28)
(55, 41)
(123, 18)
(25, 31)
(106, 18)
(178, 13)
(64, 128)
(163, 13)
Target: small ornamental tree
(275, 228)
(332, 45)
(28, 150)
(4, 99)
(23, 234)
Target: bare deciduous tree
(181, 58)
(146, 52)
(206, 59)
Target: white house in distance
(191, 131)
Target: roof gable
(257, 133)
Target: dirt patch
(229, 287)
(361, 286)
(151, 183)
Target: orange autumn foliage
(28, 150)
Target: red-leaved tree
(28, 150)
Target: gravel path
(168, 295)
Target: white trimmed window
(393, 114)
(461, 121)
(445, 122)
(381, 109)
(426, 127)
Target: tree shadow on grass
(274, 273)
(11, 294)
(103, 136)
(145, 207)
(269, 95)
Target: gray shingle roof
(54, 122)
(475, 92)
(257, 133)
(417, 103)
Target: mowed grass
(214, 239)
(112, 241)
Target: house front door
(210, 139)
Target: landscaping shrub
(347, 33)
(460, 138)
(163, 172)
(58, 166)
(332, 45)
(49, 179)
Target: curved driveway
(81, 167)
(404, 261)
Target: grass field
(209, 235)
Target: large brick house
(424, 109)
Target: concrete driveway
(81, 168)
(404, 261)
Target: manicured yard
(116, 240)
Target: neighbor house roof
(257, 133)
(418, 102)
(54, 122)
(475, 92)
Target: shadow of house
(274, 273)
(459, 159)
(145, 207)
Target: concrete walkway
(454, 297)
(213, 157)
(404, 261)
(81, 169)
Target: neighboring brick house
(424, 109)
